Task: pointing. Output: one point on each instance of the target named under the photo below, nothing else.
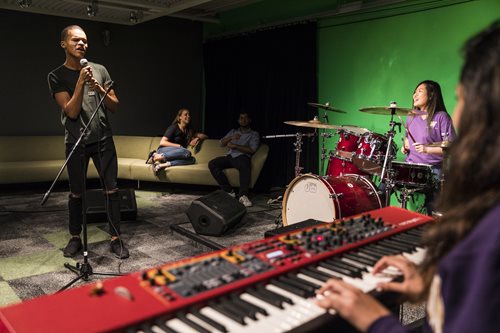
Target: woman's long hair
(435, 100)
(189, 129)
(472, 181)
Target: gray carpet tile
(24, 245)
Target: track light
(24, 3)
(135, 16)
(92, 9)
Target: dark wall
(156, 65)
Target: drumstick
(407, 129)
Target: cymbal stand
(405, 195)
(390, 135)
(323, 151)
(298, 148)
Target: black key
(370, 255)
(161, 323)
(328, 275)
(146, 328)
(228, 313)
(383, 249)
(395, 246)
(374, 251)
(359, 259)
(309, 283)
(409, 238)
(241, 308)
(266, 298)
(339, 270)
(192, 324)
(339, 262)
(314, 275)
(299, 283)
(402, 242)
(290, 288)
(209, 321)
(250, 305)
(273, 294)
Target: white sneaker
(245, 201)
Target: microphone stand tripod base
(83, 270)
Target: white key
(179, 326)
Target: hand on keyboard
(360, 309)
(412, 286)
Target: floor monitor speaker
(96, 211)
(215, 213)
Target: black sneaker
(74, 247)
(117, 247)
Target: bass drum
(325, 199)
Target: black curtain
(271, 75)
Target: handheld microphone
(84, 62)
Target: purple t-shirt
(440, 129)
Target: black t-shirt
(175, 135)
(64, 79)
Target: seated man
(242, 143)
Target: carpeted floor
(32, 238)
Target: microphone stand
(83, 270)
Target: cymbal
(312, 123)
(325, 106)
(386, 110)
(441, 144)
(355, 129)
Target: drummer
(433, 125)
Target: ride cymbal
(387, 111)
(325, 106)
(311, 123)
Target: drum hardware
(391, 110)
(323, 150)
(297, 144)
(336, 196)
(445, 146)
(325, 106)
(405, 195)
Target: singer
(77, 86)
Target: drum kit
(361, 157)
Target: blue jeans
(176, 155)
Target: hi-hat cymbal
(312, 123)
(441, 144)
(325, 106)
(387, 110)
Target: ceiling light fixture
(135, 16)
(92, 9)
(24, 3)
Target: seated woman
(173, 146)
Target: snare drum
(371, 151)
(325, 199)
(412, 174)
